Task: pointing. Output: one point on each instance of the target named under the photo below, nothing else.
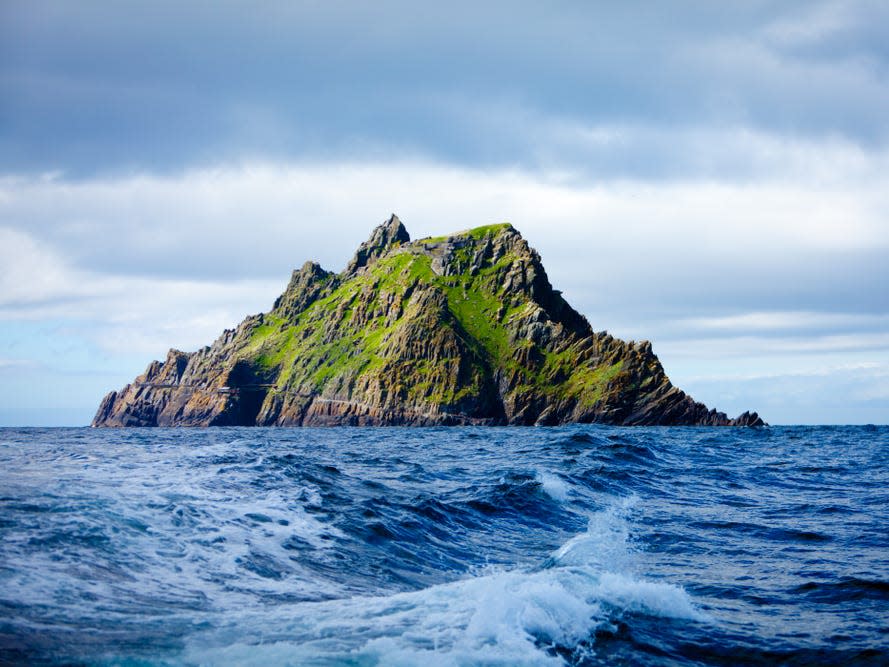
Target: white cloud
(259, 219)
(610, 245)
(820, 21)
(788, 346)
(870, 368)
(706, 269)
(30, 272)
(14, 363)
(121, 314)
(767, 321)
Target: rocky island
(454, 330)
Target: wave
(444, 546)
(543, 616)
(847, 589)
(553, 485)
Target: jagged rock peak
(306, 284)
(383, 237)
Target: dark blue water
(581, 545)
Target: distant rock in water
(461, 329)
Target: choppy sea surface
(581, 545)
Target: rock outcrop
(463, 329)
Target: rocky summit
(453, 330)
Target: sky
(713, 177)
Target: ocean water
(581, 545)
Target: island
(462, 329)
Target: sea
(576, 545)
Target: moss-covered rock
(459, 329)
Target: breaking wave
(542, 616)
(444, 546)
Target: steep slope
(463, 329)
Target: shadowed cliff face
(463, 329)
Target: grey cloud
(96, 87)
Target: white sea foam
(499, 618)
(553, 485)
(605, 545)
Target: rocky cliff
(461, 329)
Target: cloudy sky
(713, 177)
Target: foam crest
(605, 545)
(553, 485)
(509, 618)
(499, 618)
(652, 598)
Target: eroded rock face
(464, 329)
